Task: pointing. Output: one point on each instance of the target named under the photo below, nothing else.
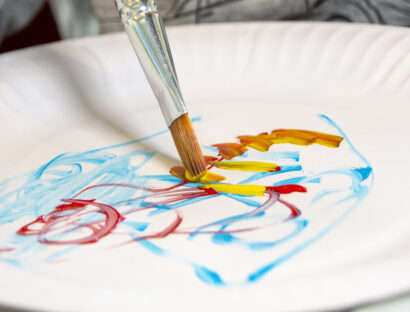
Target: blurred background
(25, 23)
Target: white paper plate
(85, 94)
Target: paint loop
(72, 218)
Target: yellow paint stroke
(248, 190)
(255, 166)
(206, 177)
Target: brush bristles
(187, 145)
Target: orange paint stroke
(256, 142)
(230, 150)
(304, 137)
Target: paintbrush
(145, 29)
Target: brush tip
(187, 145)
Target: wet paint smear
(73, 206)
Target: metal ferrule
(145, 29)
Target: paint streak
(247, 190)
(230, 150)
(94, 207)
(254, 166)
(302, 137)
(4, 250)
(287, 189)
(164, 233)
(256, 142)
(254, 190)
(66, 219)
(263, 141)
(206, 177)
